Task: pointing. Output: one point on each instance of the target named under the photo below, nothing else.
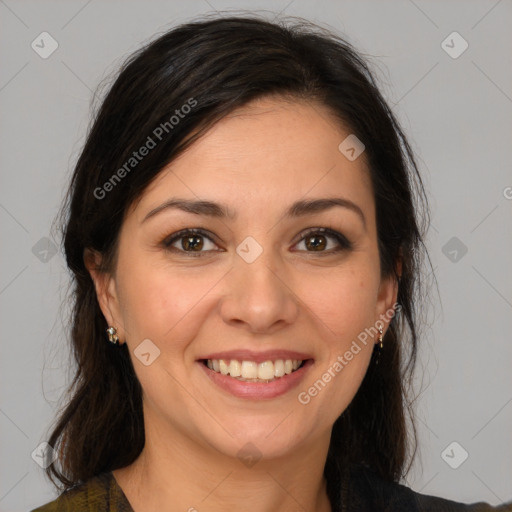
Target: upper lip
(257, 357)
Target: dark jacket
(362, 492)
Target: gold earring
(112, 335)
(378, 348)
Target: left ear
(386, 301)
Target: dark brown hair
(218, 65)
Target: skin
(258, 161)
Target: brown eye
(317, 240)
(190, 241)
(193, 242)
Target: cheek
(343, 307)
(344, 302)
(163, 304)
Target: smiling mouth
(250, 371)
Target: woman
(245, 233)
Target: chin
(263, 439)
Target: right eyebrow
(207, 208)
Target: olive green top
(101, 493)
(365, 493)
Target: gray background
(457, 113)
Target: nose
(259, 295)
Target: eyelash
(345, 244)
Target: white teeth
(235, 368)
(279, 368)
(250, 370)
(266, 370)
(224, 369)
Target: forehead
(268, 153)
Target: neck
(177, 470)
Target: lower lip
(258, 390)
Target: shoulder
(99, 493)
(369, 490)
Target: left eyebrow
(297, 209)
(311, 206)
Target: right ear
(106, 292)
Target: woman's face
(258, 284)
